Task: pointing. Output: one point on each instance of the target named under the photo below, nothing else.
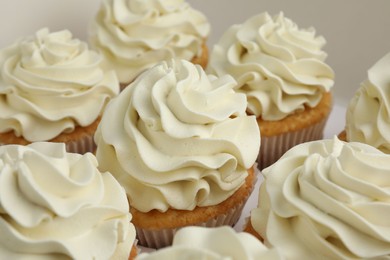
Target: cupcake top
(327, 199)
(136, 34)
(278, 66)
(55, 204)
(213, 243)
(368, 112)
(178, 138)
(51, 83)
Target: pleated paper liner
(273, 147)
(162, 237)
(78, 141)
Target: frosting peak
(57, 204)
(179, 137)
(326, 199)
(136, 35)
(51, 83)
(154, 8)
(57, 48)
(367, 118)
(277, 65)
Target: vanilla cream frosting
(277, 65)
(213, 243)
(51, 83)
(134, 35)
(178, 138)
(327, 200)
(58, 205)
(368, 112)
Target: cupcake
(281, 69)
(326, 199)
(180, 143)
(368, 112)
(58, 205)
(134, 35)
(213, 243)
(52, 88)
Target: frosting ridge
(368, 111)
(50, 84)
(135, 35)
(318, 200)
(55, 204)
(182, 138)
(279, 66)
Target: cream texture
(213, 243)
(368, 112)
(134, 35)
(177, 138)
(327, 199)
(57, 205)
(51, 83)
(277, 65)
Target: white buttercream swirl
(327, 200)
(368, 113)
(134, 35)
(50, 84)
(213, 243)
(57, 205)
(177, 138)
(277, 65)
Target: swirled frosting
(57, 205)
(368, 113)
(327, 200)
(134, 35)
(277, 65)
(213, 243)
(177, 138)
(51, 83)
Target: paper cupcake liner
(273, 147)
(82, 145)
(163, 237)
(158, 238)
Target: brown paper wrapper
(163, 237)
(159, 238)
(81, 146)
(273, 147)
(81, 140)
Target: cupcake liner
(163, 237)
(158, 238)
(273, 147)
(82, 145)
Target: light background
(357, 31)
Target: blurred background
(356, 31)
